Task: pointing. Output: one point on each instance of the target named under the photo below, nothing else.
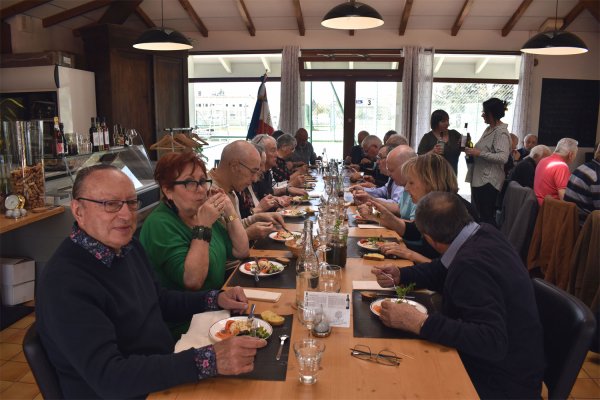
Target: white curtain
(520, 125)
(417, 83)
(289, 111)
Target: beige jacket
(488, 167)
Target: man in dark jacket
(489, 312)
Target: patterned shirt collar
(464, 235)
(100, 251)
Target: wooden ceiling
(205, 16)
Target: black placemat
(355, 251)
(366, 324)
(284, 280)
(269, 244)
(352, 221)
(266, 367)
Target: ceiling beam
(118, 12)
(299, 17)
(194, 17)
(516, 17)
(226, 64)
(438, 64)
(480, 64)
(246, 17)
(20, 8)
(461, 17)
(593, 6)
(144, 17)
(74, 12)
(405, 15)
(572, 15)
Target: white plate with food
(293, 213)
(266, 267)
(370, 244)
(376, 305)
(238, 326)
(301, 199)
(282, 236)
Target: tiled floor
(17, 382)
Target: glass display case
(132, 160)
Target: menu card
(336, 306)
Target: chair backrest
(517, 218)
(568, 329)
(43, 371)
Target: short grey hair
(286, 140)
(259, 146)
(528, 135)
(371, 140)
(442, 216)
(397, 139)
(566, 146)
(540, 151)
(260, 139)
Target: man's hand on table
(402, 316)
(233, 299)
(236, 355)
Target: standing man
(552, 173)
(101, 313)
(489, 313)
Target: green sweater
(166, 239)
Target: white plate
(220, 325)
(293, 213)
(367, 245)
(243, 269)
(273, 235)
(300, 200)
(420, 307)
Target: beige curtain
(289, 114)
(520, 125)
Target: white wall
(29, 36)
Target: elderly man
(304, 152)
(101, 313)
(239, 167)
(583, 187)
(265, 186)
(524, 172)
(389, 192)
(552, 173)
(529, 142)
(370, 145)
(356, 153)
(488, 311)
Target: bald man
(304, 152)
(239, 167)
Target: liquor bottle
(59, 144)
(106, 134)
(100, 135)
(94, 136)
(307, 265)
(469, 144)
(61, 127)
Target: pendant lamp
(352, 15)
(162, 39)
(555, 43)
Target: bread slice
(374, 256)
(272, 318)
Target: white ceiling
(270, 15)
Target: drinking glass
(309, 316)
(331, 278)
(309, 353)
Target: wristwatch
(202, 233)
(231, 218)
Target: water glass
(331, 278)
(309, 353)
(309, 316)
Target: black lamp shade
(162, 39)
(554, 43)
(352, 15)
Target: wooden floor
(17, 382)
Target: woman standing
(185, 237)
(486, 172)
(440, 140)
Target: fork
(390, 278)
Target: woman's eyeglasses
(384, 357)
(192, 185)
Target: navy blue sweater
(489, 315)
(103, 327)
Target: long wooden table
(431, 372)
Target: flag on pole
(261, 117)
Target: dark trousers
(484, 200)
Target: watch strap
(202, 233)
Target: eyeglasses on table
(384, 357)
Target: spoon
(283, 339)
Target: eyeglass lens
(116, 205)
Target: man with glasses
(488, 312)
(101, 313)
(239, 167)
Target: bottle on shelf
(94, 135)
(61, 127)
(59, 144)
(100, 135)
(106, 134)
(468, 144)
(307, 265)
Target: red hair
(171, 165)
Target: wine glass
(310, 316)
(331, 278)
(323, 240)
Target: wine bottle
(307, 265)
(94, 136)
(100, 135)
(59, 145)
(106, 134)
(61, 127)
(469, 144)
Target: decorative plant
(402, 291)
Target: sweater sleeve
(428, 275)
(426, 144)
(501, 149)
